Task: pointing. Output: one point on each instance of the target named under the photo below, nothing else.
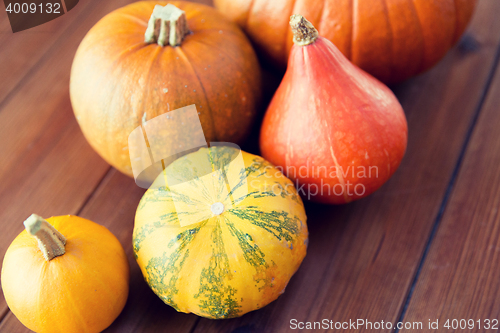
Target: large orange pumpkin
(390, 39)
(122, 78)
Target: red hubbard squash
(390, 39)
(127, 71)
(331, 127)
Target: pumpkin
(220, 233)
(335, 130)
(142, 61)
(390, 39)
(65, 274)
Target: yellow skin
(83, 290)
(220, 243)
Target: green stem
(167, 26)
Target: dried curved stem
(304, 33)
(50, 241)
(167, 26)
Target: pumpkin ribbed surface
(222, 243)
(119, 82)
(390, 39)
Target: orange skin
(392, 40)
(83, 290)
(118, 80)
(330, 116)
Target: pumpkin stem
(50, 241)
(167, 26)
(304, 33)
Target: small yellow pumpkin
(65, 274)
(220, 233)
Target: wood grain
(144, 311)
(47, 166)
(363, 257)
(32, 46)
(460, 278)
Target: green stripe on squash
(226, 265)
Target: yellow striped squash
(220, 233)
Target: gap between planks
(451, 184)
(69, 30)
(107, 174)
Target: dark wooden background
(426, 246)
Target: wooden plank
(25, 49)
(113, 205)
(459, 279)
(47, 166)
(144, 311)
(363, 257)
(351, 267)
(36, 105)
(5, 28)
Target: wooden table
(425, 247)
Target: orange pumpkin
(65, 274)
(336, 131)
(122, 78)
(390, 39)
